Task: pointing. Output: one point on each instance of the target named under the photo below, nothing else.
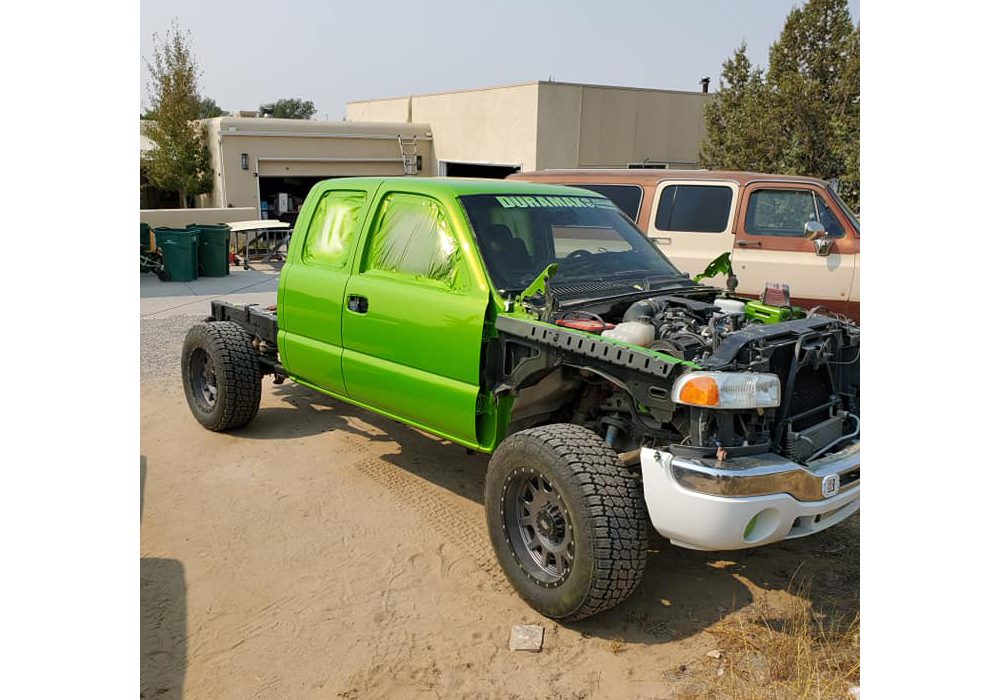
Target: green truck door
(313, 283)
(413, 320)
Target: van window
(829, 221)
(627, 197)
(785, 213)
(694, 208)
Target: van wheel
(566, 519)
(221, 375)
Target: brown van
(696, 215)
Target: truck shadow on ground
(307, 412)
(162, 620)
(162, 629)
(683, 591)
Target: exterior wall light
(244, 161)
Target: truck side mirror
(816, 232)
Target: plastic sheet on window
(413, 237)
(333, 228)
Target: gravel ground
(160, 343)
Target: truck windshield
(519, 235)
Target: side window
(694, 208)
(411, 236)
(334, 228)
(626, 197)
(780, 212)
(829, 221)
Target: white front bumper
(720, 522)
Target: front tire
(566, 519)
(221, 375)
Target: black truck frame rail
(262, 325)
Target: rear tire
(566, 519)
(221, 375)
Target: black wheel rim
(204, 386)
(537, 527)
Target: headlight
(728, 390)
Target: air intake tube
(646, 310)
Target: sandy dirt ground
(325, 552)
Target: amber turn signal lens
(700, 391)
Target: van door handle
(744, 244)
(357, 304)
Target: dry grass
(795, 654)
(616, 645)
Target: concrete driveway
(258, 285)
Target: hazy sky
(333, 52)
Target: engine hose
(857, 429)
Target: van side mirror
(816, 232)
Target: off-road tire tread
(236, 365)
(616, 506)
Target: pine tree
(739, 135)
(803, 117)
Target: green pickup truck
(534, 322)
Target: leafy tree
(845, 123)
(803, 117)
(180, 162)
(207, 109)
(290, 108)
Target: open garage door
(493, 170)
(281, 197)
(283, 184)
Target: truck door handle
(744, 244)
(357, 304)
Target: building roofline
(532, 82)
(255, 125)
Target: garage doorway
(491, 170)
(281, 198)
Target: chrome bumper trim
(766, 474)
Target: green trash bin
(213, 249)
(145, 239)
(180, 252)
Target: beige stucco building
(257, 159)
(539, 125)
(269, 165)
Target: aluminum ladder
(408, 152)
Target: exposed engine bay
(813, 355)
